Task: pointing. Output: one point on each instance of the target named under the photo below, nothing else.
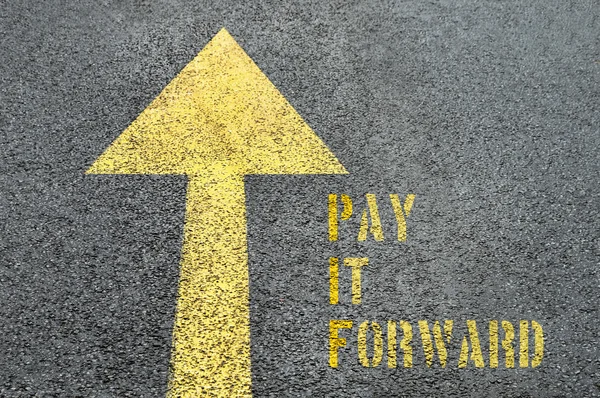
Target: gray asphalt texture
(488, 111)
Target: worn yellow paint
(392, 345)
(507, 344)
(439, 340)
(336, 342)
(523, 344)
(493, 331)
(373, 214)
(333, 213)
(218, 120)
(400, 211)
(405, 343)
(377, 344)
(476, 355)
(334, 271)
(356, 264)
(539, 344)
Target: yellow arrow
(218, 120)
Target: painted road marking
(218, 120)
(370, 334)
(470, 352)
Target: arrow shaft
(211, 337)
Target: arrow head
(221, 111)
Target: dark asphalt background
(487, 111)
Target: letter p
(333, 213)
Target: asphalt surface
(487, 111)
